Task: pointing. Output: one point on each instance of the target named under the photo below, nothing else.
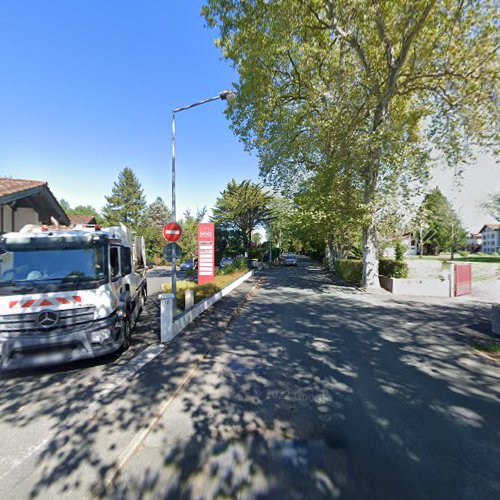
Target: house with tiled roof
(82, 220)
(491, 238)
(28, 202)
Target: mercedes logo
(47, 318)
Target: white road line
(134, 365)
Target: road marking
(127, 371)
(18, 460)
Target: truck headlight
(100, 336)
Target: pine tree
(127, 202)
(157, 214)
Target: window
(114, 262)
(126, 260)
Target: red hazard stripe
(28, 303)
(45, 302)
(13, 304)
(62, 300)
(77, 298)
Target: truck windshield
(52, 265)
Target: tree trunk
(370, 259)
(330, 253)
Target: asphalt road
(313, 391)
(159, 275)
(318, 391)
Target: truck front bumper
(52, 348)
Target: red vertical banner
(206, 252)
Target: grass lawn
(493, 350)
(475, 258)
(202, 291)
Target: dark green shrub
(464, 253)
(399, 251)
(393, 268)
(349, 269)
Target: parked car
(290, 260)
(226, 261)
(189, 264)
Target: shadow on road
(310, 394)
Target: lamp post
(225, 95)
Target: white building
(27, 202)
(408, 240)
(491, 238)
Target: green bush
(494, 254)
(237, 265)
(464, 253)
(481, 254)
(349, 269)
(399, 251)
(393, 268)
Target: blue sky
(87, 87)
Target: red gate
(463, 279)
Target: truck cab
(68, 294)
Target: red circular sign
(172, 231)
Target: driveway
(318, 391)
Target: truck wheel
(126, 334)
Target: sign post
(206, 252)
(172, 232)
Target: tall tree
(492, 205)
(365, 89)
(243, 206)
(444, 230)
(189, 224)
(127, 202)
(157, 214)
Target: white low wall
(171, 327)
(431, 287)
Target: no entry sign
(172, 231)
(206, 252)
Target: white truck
(68, 294)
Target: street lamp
(225, 95)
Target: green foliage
(356, 95)
(189, 239)
(349, 269)
(126, 203)
(201, 291)
(399, 251)
(80, 210)
(492, 205)
(493, 254)
(156, 214)
(237, 265)
(393, 268)
(242, 207)
(154, 242)
(464, 253)
(443, 228)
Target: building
(474, 242)
(491, 238)
(82, 220)
(408, 240)
(27, 202)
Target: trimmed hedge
(349, 269)
(393, 268)
(352, 270)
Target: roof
(81, 219)
(494, 227)
(32, 194)
(11, 186)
